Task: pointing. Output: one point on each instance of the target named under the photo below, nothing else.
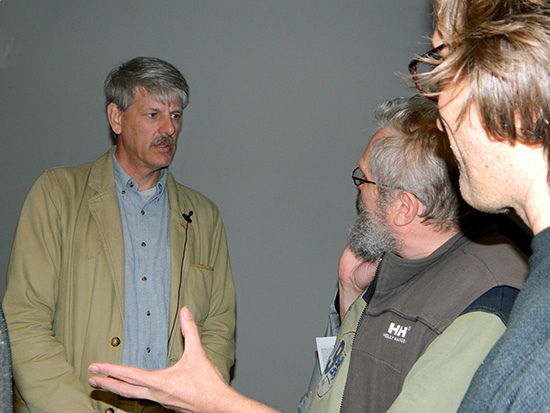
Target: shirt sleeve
(441, 376)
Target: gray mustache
(166, 140)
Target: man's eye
(152, 115)
(176, 115)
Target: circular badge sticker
(334, 363)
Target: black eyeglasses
(425, 64)
(359, 179)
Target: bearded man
(424, 288)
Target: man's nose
(168, 126)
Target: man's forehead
(164, 98)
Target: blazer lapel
(181, 248)
(105, 211)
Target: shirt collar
(125, 181)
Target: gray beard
(370, 235)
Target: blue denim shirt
(147, 271)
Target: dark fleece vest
(416, 300)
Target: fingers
(137, 383)
(190, 332)
(122, 380)
(347, 264)
(119, 387)
(131, 375)
(127, 381)
(350, 256)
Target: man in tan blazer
(107, 252)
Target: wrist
(234, 402)
(347, 294)
(348, 291)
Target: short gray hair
(160, 78)
(415, 156)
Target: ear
(113, 115)
(406, 208)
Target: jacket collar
(102, 177)
(396, 271)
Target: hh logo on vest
(341, 349)
(397, 333)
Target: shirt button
(131, 184)
(115, 342)
(143, 279)
(123, 192)
(148, 313)
(143, 244)
(142, 212)
(148, 350)
(110, 410)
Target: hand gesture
(172, 387)
(193, 384)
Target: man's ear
(113, 115)
(407, 208)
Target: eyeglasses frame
(359, 181)
(413, 64)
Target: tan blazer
(64, 299)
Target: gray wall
(281, 99)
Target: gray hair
(160, 78)
(415, 156)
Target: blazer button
(115, 342)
